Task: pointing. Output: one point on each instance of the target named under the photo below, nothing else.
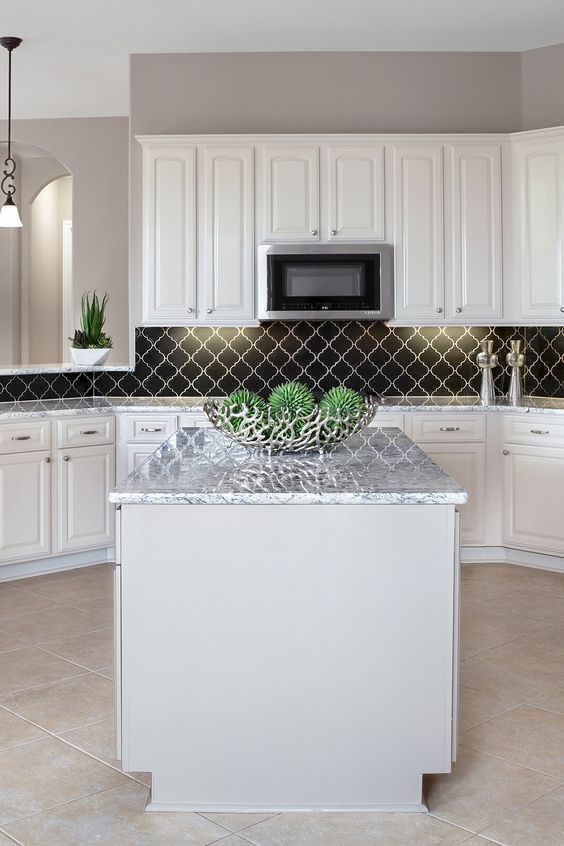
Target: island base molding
(277, 658)
(509, 555)
(285, 809)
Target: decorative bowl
(316, 430)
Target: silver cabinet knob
(47, 460)
(439, 310)
(209, 310)
(66, 457)
(314, 231)
(506, 452)
(333, 232)
(458, 310)
(562, 308)
(189, 310)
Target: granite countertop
(202, 466)
(187, 405)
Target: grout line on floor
(59, 805)
(70, 660)
(516, 763)
(11, 837)
(45, 684)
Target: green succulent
(238, 400)
(91, 334)
(292, 397)
(338, 402)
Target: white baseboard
(521, 557)
(417, 808)
(55, 564)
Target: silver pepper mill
(486, 361)
(515, 359)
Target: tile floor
(60, 784)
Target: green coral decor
(239, 403)
(340, 402)
(291, 397)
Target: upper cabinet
(355, 196)
(290, 202)
(539, 169)
(418, 232)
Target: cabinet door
(474, 241)
(290, 177)
(356, 193)
(541, 186)
(86, 517)
(534, 493)
(25, 506)
(227, 237)
(465, 463)
(169, 235)
(418, 233)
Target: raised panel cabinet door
(86, 517)
(418, 232)
(356, 193)
(290, 202)
(533, 498)
(474, 234)
(542, 229)
(169, 235)
(227, 289)
(25, 506)
(465, 463)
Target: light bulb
(9, 215)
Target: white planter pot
(89, 358)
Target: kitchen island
(288, 624)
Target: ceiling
(74, 59)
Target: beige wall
(95, 151)
(542, 87)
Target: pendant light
(9, 215)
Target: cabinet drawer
(444, 428)
(147, 428)
(86, 431)
(26, 436)
(539, 430)
(197, 420)
(382, 418)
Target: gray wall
(95, 151)
(542, 87)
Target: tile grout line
(60, 805)
(520, 806)
(516, 763)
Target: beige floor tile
(483, 628)
(230, 840)
(5, 840)
(9, 643)
(67, 704)
(481, 789)
(99, 740)
(31, 667)
(475, 707)
(363, 829)
(510, 576)
(528, 736)
(57, 623)
(17, 601)
(103, 606)
(552, 700)
(238, 822)
(40, 775)
(108, 673)
(14, 731)
(478, 840)
(94, 650)
(533, 605)
(519, 670)
(72, 590)
(115, 818)
(541, 823)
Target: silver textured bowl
(284, 432)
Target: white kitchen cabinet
(465, 462)
(290, 193)
(473, 233)
(227, 242)
(540, 174)
(418, 232)
(169, 234)
(25, 505)
(355, 178)
(85, 478)
(533, 498)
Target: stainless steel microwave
(325, 282)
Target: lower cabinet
(466, 464)
(534, 498)
(25, 505)
(85, 476)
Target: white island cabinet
(302, 646)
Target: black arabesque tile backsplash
(372, 357)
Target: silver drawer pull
(89, 432)
(66, 457)
(21, 437)
(151, 428)
(449, 429)
(540, 431)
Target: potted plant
(90, 344)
